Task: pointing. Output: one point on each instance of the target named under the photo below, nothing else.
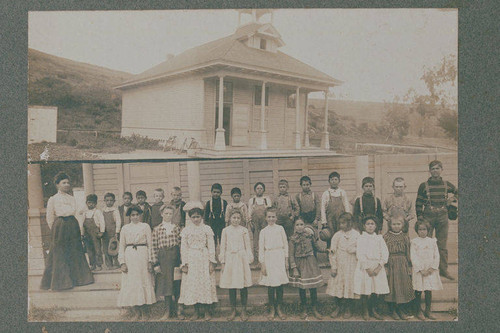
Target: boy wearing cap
(431, 206)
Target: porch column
(306, 123)
(263, 132)
(220, 141)
(325, 140)
(297, 118)
(88, 178)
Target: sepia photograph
(372, 237)
(243, 165)
(132, 85)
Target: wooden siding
(165, 109)
(244, 173)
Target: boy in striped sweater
(431, 206)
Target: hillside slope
(82, 92)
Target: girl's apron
(259, 222)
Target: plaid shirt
(162, 238)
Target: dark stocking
(428, 302)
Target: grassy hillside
(82, 92)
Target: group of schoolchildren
(166, 256)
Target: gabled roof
(231, 51)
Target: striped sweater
(437, 194)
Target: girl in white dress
(135, 256)
(370, 278)
(235, 257)
(198, 266)
(424, 256)
(343, 262)
(273, 258)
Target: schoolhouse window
(263, 44)
(258, 95)
(291, 99)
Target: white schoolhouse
(262, 104)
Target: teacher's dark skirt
(165, 284)
(66, 265)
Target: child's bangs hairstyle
(305, 179)
(235, 190)
(195, 210)
(168, 206)
(370, 217)
(61, 176)
(346, 216)
(368, 180)
(91, 198)
(109, 195)
(422, 222)
(216, 186)
(334, 174)
(271, 210)
(261, 184)
(127, 194)
(236, 211)
(141, 193)
(395, 214)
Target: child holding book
(235, 257)
(273, 258)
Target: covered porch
(260, 111)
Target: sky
(378, 53)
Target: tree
(396, 121)
(440, 81)
(449, 122)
